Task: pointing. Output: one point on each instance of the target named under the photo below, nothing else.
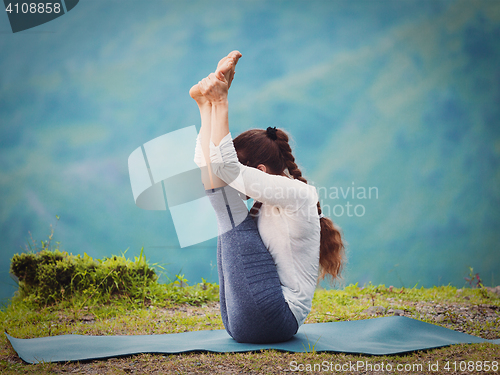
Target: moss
(51, 276)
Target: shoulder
(301, 196)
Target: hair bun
(271, 133)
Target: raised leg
(227, 67)
(253, 308)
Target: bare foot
(227, 66)
(196, 94)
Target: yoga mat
(379, 336)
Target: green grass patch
(50, 277)
(123, 317)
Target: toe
(236, 53)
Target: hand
(214, 88)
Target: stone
(374, 310)
(440, 318)
(495, 289)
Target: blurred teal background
(400, 96)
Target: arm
(270, 189)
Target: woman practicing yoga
(268, 259)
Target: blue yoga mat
(379, 336)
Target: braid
(331, 244)
(254, 211)
(288, 158)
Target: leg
(252, 303)
(226, 219)
(210, 180)
(222, 290)
(227, 67)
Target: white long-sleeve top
(288, 221)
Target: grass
(22, 319)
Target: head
(269, 150)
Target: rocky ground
(459, 316)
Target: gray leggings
(252, 305)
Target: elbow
(227, 172)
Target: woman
(269, 259)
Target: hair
(272, 148)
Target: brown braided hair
(271, 147)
